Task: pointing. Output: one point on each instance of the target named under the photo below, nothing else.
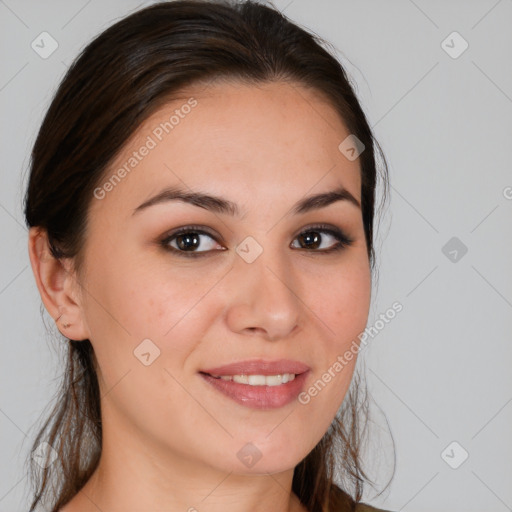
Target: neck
(133, 475)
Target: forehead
(261, 140)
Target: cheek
(342, 306)
(343, 302)
(143, 300)
(173, 306)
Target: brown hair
(122, 77)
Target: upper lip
(259, 367)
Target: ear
(58, 286)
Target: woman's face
(250, 278)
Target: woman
(201, 204)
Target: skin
(170, 440)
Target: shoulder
(362, 507)
(341, 500)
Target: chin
(253, 458)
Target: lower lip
(259, 397)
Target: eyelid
(328, 228)
(192, 228)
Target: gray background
(440, 370)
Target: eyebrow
(220, 205)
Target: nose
(264, 299)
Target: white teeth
(256, 380)
(260, 380)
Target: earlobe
(57, 285)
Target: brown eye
(320, 239)
(190, 241)
(310, 240)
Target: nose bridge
(266, 298)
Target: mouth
(259, 384)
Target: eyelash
(343, 240)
